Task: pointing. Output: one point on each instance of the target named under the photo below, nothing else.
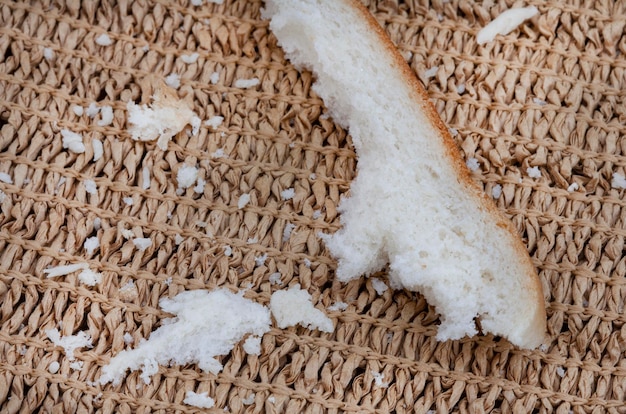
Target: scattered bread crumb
(289, 227)
(76, 365)
(186, 176)
(90, 187)
(128, 234)
(199, 188)
(287, 194)
(539, 102)
(496, 191)
(214, 121)
(104, 40)
(128, 201)
(533, 172)
(573, 187)
(379, 379)
(214, 78)
(338, 306)
(206, 324)
(91, 244)
(98, 149)
(128, 338)
(243, 201)
(247, 83)
(260, 260)
(69, 343)
(294, 307)
(201, 400)
(78, 110)
(228, 251)
(73, 141)
(92, 110)
(219, 153)
(6, 178)
(64, 269)
(192, 58)
(379, 286)
(3, 196)
(618, 181)
(128, 292)
(106, 116)
(142, 243)
(560, 371)
(472, 164)
(275, 278)
(249, 400)
(90, 277)
(178, 239)
(173, 80)
(145, 174)
(48, 53)
(97, 223)
(505, 23)
(54, 366)
(460, 89)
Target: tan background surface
(549, 95)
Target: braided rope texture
(542, 111)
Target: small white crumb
(128, 201)
(260, 261)
(98, 149)
(3, 196)
(145, 48)
(307, 262)
(573, 187)
(69, 342)
(560, 371)
(6, 178)
(271, 399)
(104, 40)
(168, 281)
(252, 240)
(145, 175)
(128, 338)
(23, 350)
(249, 400)
(142, 243)
(201, 224)
(496, 191)
(317, 214)
(460, 89)
(338, 306)
(186, 176)
(214, 121)
(106, 116)
(90, 277)
(289, 227)
(189, 59)
(91, 244)
(48, 53)
(78, 110)
(90, 187)
(243, 201)
(64, 270)
(228, 251)
(247, 83)
(199, 188)
(533, 172)
(178, 239)
(618, 181)
(293, 306)
(219, 153)
(453, 131)
(201, 400)
(313, 176)
(275, 278)
(379, 286)
(214, 78)
(379, 379)
(73, 141)
(287, 194)
(76, 365)
(128, 234)
(539, 102)
(252, 345)
(505, 23)
(173, 80)
(195, 123)
(92, 110)
(54, 366)
(472, 164)
(429, 73)
(97, 223)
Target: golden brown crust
(454, 155)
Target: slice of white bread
(413, 204)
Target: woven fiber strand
(550, 95)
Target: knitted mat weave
(540, 113)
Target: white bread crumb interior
(411, 205)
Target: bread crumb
(460, 89)
(90, 187)
(271, 399)
(173, 80)
(618, 181)
(338, 306)
(247, 83)
(98, 149)
(76, 365)
(249, 400)
(142, 243)
(128, 338)
(189, 59)
(453, 131)
(64, 269)
(48, 53)
(54, 366)
(560, 371)
(92, 110)
(289, 227)
(78, 110)
(219, 153)
(145, 175)
(496, 191)
(178, 239)
(379, 379)
(186, 176)
(472, 164)
(252, 240)
(128, 201)
(294, 307)
(6, 178)
(206, 324)
(533, 172)
(104, 40)
(505, 23)
(228, 251)
(379, 286)
(69, 343)
(73, 141)
(317, 214)
(260, 261)
(287, 194)
(91, 244)
(430, 73)
(97, 223)
(573, 187)
(106, 116)
(214, 121)
(128, 234)
(243, 201)
(199, 188)
(252, 345)
(539, 102)
(275, 278)
(3, 196)
(90, 277)
(214, 78)
(201, 400)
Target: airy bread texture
(413, 204)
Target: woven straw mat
(542, 110)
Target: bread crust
(453, 154)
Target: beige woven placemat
(548, 98)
